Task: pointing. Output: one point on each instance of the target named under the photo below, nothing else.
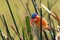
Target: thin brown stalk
(55, 16)
(15, 31)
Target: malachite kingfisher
(35, 18)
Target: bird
(35, 18)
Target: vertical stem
(40, 21)
(3, 37)
(24, 6)
(41, 24)
(49, 18)
(40, 3)
(33, 1)
(8, 33)
(13, 18)
(45, 35)
(51, 21)
(54, 34)
(28, 7)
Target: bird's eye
(34, 17)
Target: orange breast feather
(44, 22)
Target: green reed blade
(33, 2)
(27, 4)
(1, 19)
(23, 31)
(29, 28)
(38, 33)
(50, 21)
(54, 33)
(4, 24)
(3, 37)
(13, 18)
(49, 18)
(28, 24)
(7, 30)
(24, 6)
(41, 24)
(45, 35)
(31, 37)
(25, 37)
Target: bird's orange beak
(31, 21)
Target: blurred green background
(18, 9)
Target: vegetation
(15, 18)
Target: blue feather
(34, 15)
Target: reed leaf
(13, 18)
(27, 11)
(45, 35)
(54, 34)
(28, 24)
(50, 21)
(7, 30)
(31, 37)
(27, 4)
(25, 36)
(41, 24)
(23, 33)
(38, 33)
(3, 37)
(1, 19)
(28, 28)
(49, 18)
(35, 8)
